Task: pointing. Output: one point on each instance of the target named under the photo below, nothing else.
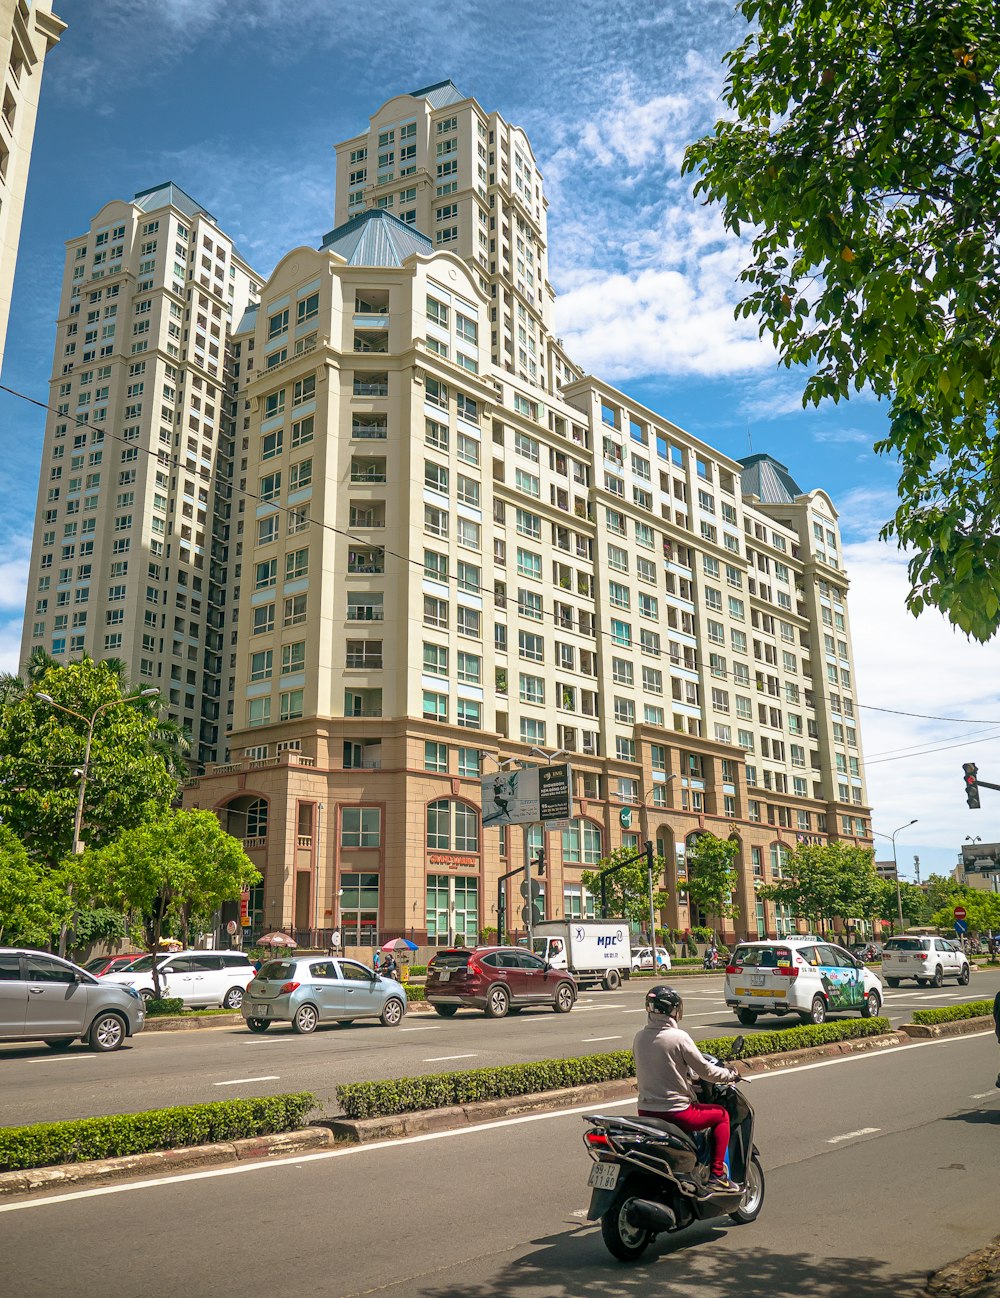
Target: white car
(643, 958)
(794, 976)
(926, 959)
(198, 978)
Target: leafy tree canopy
(982, 911)
(862, 150)
(628, 888)
(821, 881)
(33, 900)
(41, 747)
(183, 862)
(712, 875)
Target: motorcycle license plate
(603, 1176)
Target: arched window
(582, 843)
(452, 826)
(257, 819)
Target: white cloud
(919, 665)
(13, 587)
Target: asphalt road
(879, 1169)
(214, 1063)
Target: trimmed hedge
(438, 1090)
(165, 1005)
(949, 1013)
(45, 1144)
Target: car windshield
(142, 965)
(451, 960)
(757, 957)
(907, 944)
(277, 970)
(93, 965)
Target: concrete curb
(953, 1028)
(71, 1176)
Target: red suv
(497, 980)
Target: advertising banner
(527, 796)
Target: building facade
(456, 550)
(27, 32)
(130, 551)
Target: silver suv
(43, 998)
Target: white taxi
(798, 976)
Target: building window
(435, 756)
(360, 826)
(359, 909)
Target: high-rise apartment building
(132, 530)
(27, 32)
(454, 549)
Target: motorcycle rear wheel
(626, 1243)
(753, 1196)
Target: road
(214, 1063)
(879, 1169)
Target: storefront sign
(452, 861)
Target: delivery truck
(594, 951)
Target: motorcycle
(649, 1176)
(711, 960)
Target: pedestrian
(377, 961)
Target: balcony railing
(370, 389)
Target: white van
(795, 976)
(927, 960)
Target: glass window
(360, 826)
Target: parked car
(105, 964)
(793, 976)
(198, 978)
(928, 960)
(497, 980)
(308, 990)
(643, 958)
(44, 998)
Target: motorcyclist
(665, 1059)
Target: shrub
(166, 1005)
(438, 1090)
(47, 1143)
(414, 993)
(950, 1013)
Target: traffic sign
(959, 912)
(961, 926)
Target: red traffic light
(971, 771)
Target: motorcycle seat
(661, 1127)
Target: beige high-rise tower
(130, 551)
(27, 33)
(457, 550)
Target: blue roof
(440, 94)
(170, 195)
(768, 480)
(376, 238)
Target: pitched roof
(768, 480)
(440, 94)
(376, 238)
(170, 195)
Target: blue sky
(241, 103)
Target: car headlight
(132, 992)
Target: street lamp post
(84, 771)
(892, 839)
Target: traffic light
(533, 912)
(971, 783)
(540, 861)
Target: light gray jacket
(665, 1059)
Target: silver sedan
(308, 990)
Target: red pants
(697, 1118)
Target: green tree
(183, 863)
(628, 888)
(861, 148)
(982, 911)
(33, 900)
(42, 749)
(712, 875)
(913, 901)
(821, 881)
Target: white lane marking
(352, 1151)
(852, 1135)
(440, 1059)
(984, 1095)
(49, 1059)
(586, 1040)
(428, 1027)
(238, 1081)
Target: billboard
(527, 796)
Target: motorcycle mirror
(738, 1045)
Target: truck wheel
(612, 980)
